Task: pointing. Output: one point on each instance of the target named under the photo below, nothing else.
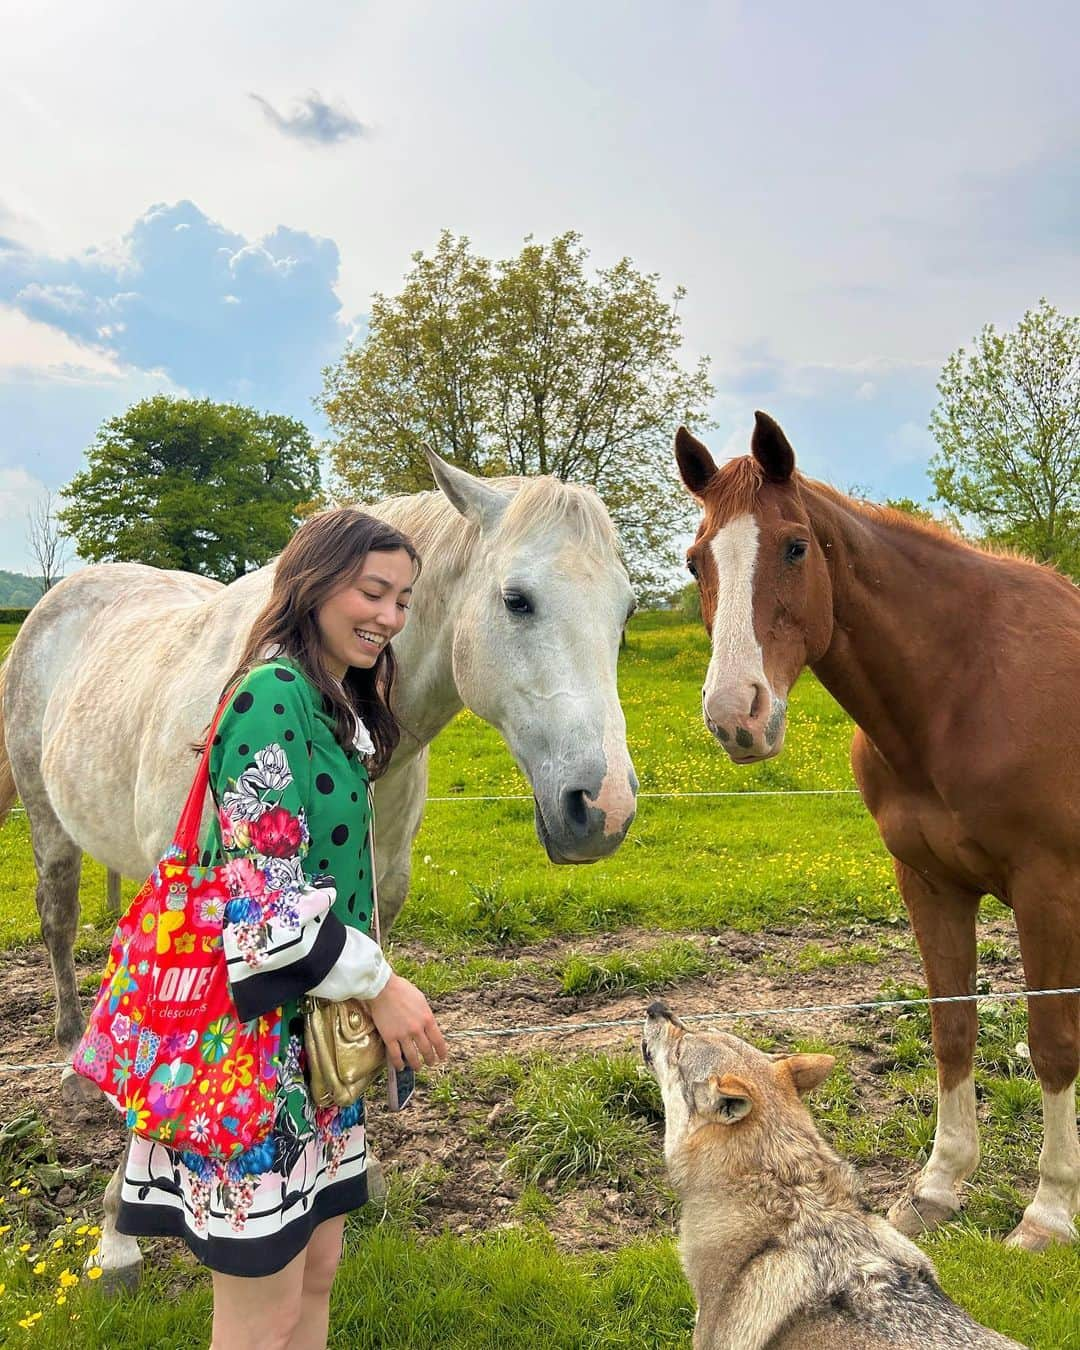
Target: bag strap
(374, 878)
(187, 827)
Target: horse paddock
(526, 1185)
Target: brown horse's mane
(734, 489)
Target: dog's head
(716, 1081)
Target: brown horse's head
(766, 595)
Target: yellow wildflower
(58, 1244)
(61, 1299)
(94, 1231)
(82, 1228)
(4, 1228)
(27, 1322)
(67, 1279)
(39, 1269)
(94, 1273)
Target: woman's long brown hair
(322, 555)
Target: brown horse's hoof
(913, 1216)
(1030, 1236)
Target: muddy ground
(461, 1148)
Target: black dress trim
(241, 1256)
(265, 990)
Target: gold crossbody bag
(345, 1052)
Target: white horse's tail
(8, 791)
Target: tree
(212, 488)
(1008, 424)
(47, 541)
(525, 366)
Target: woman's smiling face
(358, 619)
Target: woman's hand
(407, 1025)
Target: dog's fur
(779, 1250)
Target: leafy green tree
(524, 366)
(206, 487)
(1008, 424)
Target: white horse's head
(544, 600)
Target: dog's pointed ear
(696, 465)
(771, 449)
(806, 1071)
(725, 1099)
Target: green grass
(507, 1291)
(646, 970)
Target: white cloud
(27, 344)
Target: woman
(308, 724)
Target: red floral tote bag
(163, 1041)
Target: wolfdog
(780, 1252)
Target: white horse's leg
(117, 1255)
(59, 863)
(399, 811)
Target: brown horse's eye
(796, 550)
(691, 567)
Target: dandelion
(39, 1269)
(94, 1273)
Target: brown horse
(960, 668)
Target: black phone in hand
(400, 1083)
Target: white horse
(517, 615)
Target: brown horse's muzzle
(749, 724)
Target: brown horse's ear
(696, 465)
(770, 448)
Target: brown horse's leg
(943, 917)
(1050, 943)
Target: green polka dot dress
(291, 836)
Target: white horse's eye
(517, 603)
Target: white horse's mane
(535, 506)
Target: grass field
(527, 1202)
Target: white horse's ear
(474, 498)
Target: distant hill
(16, 588)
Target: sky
(201, 199)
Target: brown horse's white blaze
(740, 708)
(964, 777)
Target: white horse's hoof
(1030, 1236)
(913, 1216)
(78, 1091)
(376, 1181)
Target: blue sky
(203, 202)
